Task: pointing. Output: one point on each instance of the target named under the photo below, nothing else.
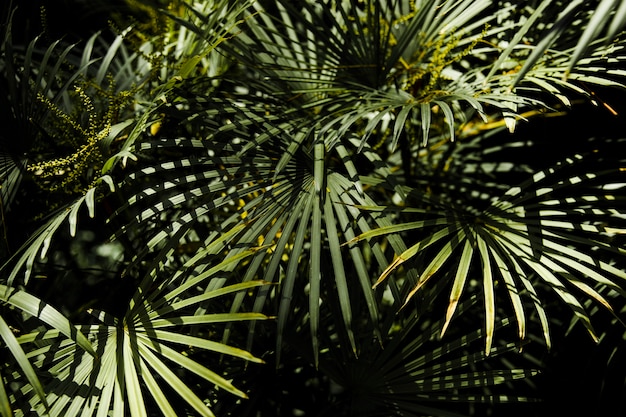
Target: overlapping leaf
(302, 213)
(415, 372)
(30, 305)
(551, 229)
(386, 70)
(286, 164)
(135, 355)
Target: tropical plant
(383, 208)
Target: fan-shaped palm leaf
(547, 228)
(184, 49)
(304, 211)
(415, 372)
(391, 68)
(135, 354)
(330, 70)
(28, 304)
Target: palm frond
(36, 247)
(135, 355)
(197, 31)
(415, 372)
(305, 211)
(406, 82)
(421, 64)
(598, 23)
(548, 228)
(28, 304)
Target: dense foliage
(312, 208)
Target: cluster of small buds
(71, 173)
(444, 54)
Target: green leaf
(195, 367)
(562, 23)
(44, 312)
(5, 404)
(512, 289)
(514, 43)
(131, 377)
(618, 22)
(18, 354)
(488, 289)
(337, 261)
(207, 295)
(315, 274)
(288, 283)
(173, 381)
(437, 262)
(156, 392)
(597, 23)
(413, 250)
(183, 339)
(205, 319)
(459, 283)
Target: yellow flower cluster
(424, 72)
(82, 130)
